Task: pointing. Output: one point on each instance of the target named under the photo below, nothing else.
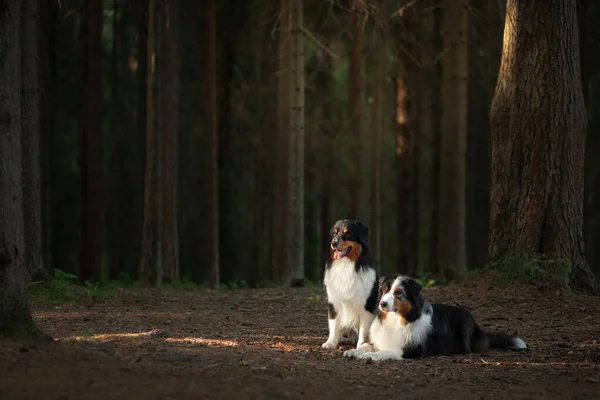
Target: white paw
(352, 353)
(329, 345)
(375, 356)
(360, 344)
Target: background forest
(217, 141)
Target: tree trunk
(538, 121)
(279, 234)
(453, 148)
(170, 104)
(295, 223)
(93, 209)
(380, 66)
(48, 78)
(150, 264)
(141, 122)
(360, 187)
(30, 137)
(15, 319)
(211, 92)
(48, 107)
(425, 144)
(404, 171)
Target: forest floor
(265, 344)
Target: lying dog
(409, 326)
(351, 283)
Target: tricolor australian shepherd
(351, 283)
(409, 326)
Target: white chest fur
(348, 289)
(391, 334)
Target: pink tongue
(337, 255)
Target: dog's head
(398, 294)
(348, 238)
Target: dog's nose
(382, 304)
(335, 242)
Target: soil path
(265, 344)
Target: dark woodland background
(192, 108)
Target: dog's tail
(485, 340)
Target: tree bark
(380, 66)
(538, 121)
(212, 119)
(360, 188)
(48, 107)
(170, 104)
(295, 223)
(141, 122)
(425, 145)
(453, 148)
(279, 234)
(15, 319)
(93, 208)
(150, 263)
(30, 137)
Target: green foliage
(233, 285)
(65, 288)
(427, 282)
(516, 268)
(184, 284)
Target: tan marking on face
(402, 308)
(382, 315)
(355, 252)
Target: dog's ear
(363, 232)
(382, 281)
(415, 287)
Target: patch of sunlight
(536, 364)
(205, 342)
(106, 336)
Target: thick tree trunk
(48, 106)
(170, 104)
(141, 123)
(295, 223)
(406, 100)
(150, 263)
(360, 187)
(279, 234)
(380, 67)
(425, 145)
(452, 212)
(30, 136)
(538, 124)
(404, 172)
(211, 80)
(93, 209)
(15, 319)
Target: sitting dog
(409, 326)
(351, 283)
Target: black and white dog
(409, 326)
(351, 283)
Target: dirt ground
(265, 344)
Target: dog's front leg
(335, 331)
(366, 319)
